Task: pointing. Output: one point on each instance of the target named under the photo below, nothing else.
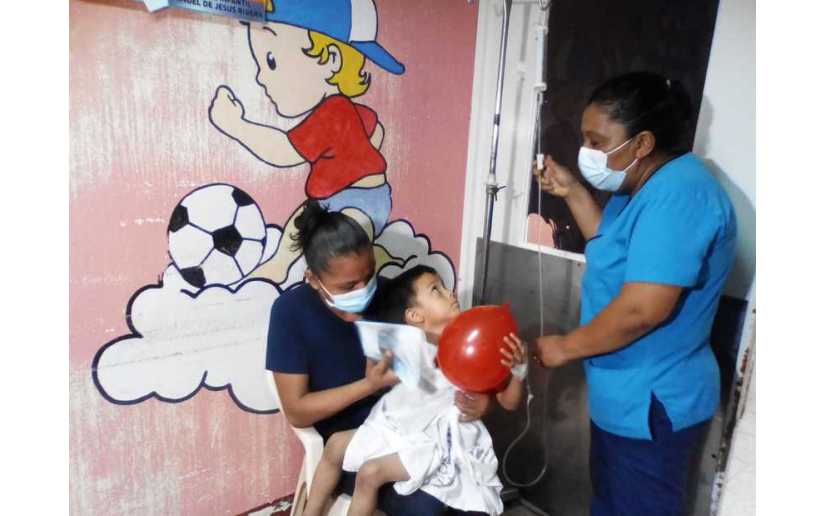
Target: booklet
(411, 352)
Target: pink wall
(140, 86)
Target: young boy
(416, 438)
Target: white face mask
(355, 301)
(593, 166)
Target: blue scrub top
(679, 229)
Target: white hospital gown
(445, 458)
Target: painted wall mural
(310, 59)
(203, 325)
(196, 140)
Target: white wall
(726, 132)
(726, 139)
(738, 497)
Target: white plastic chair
(313, 448)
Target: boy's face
(293, 81)
(435, 306)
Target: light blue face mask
(593, 166)
(353, 302)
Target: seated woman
(322, 376)
(413, 436)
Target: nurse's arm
(585, 210)
(638, 309)
(304, 408)
(557, 180)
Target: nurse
(313, 350)
(658, 255)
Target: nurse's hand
(551, 351)
(379, 375)
(555, 179)
(472, 405)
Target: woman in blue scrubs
(658, 255)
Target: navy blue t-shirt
(305, 337)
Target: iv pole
(491, 186)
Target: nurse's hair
(646, 101)
(323, 235)
(395, 296)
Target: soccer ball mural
(216, 235)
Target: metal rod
(502, 58)
(491, 186)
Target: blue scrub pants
(637, 477)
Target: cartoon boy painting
(310, 56)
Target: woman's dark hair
(645, 101)
(396, 295)
(324, 234)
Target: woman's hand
(379, 374)
(514, 356)
(555, 179)
(551, 351)
(471, 405)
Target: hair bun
(308, 221)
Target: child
(414, 438)
(311, 64)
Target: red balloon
(469, 349)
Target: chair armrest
(310, 438)
(313, 449)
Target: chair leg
(299, 501)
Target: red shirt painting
(335, 140)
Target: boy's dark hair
(324, 234)
(395, 296)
